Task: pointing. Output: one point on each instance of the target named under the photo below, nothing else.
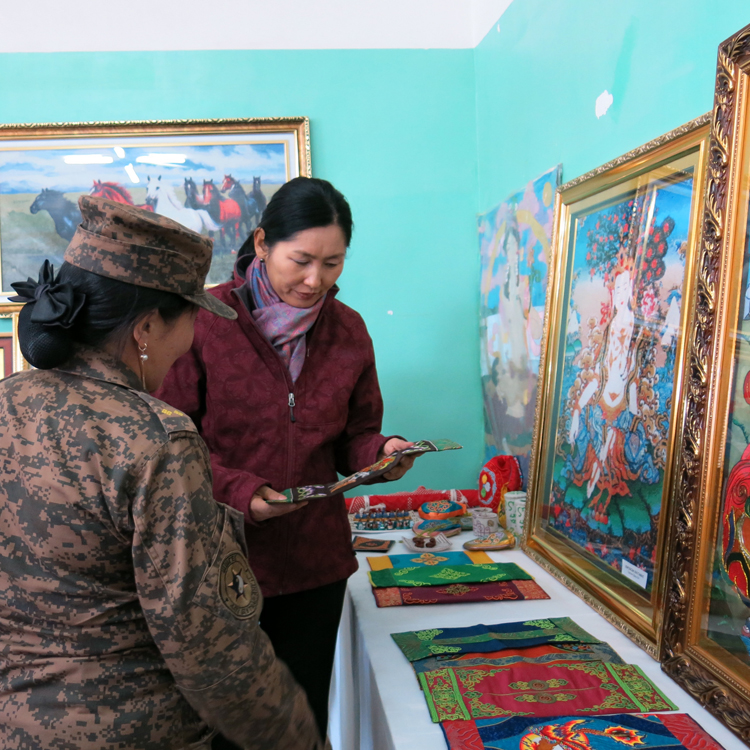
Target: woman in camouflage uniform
(129, 614)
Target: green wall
(538, 77)
(419, 141)
(395, 131)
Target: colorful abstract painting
(618, 350)
(514, 243)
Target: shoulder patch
(172, 420)
(238, 588)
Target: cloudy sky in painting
(30, 170)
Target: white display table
(376, 702)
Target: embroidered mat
(457, 593)
(617, 732)
(429, 559)
(419, 644)
(545, 654)
(540, 690)
(444, 574)
(363, 544)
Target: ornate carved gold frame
(601, 590)
(11, 311)
(698, 495)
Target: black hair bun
(42, 346)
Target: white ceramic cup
(515, 512)
(483, 522)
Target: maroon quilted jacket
(240, 394)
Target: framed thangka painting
(514, 244)
(213, 176)
(706, 634)
(620, 285)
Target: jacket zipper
(290, 444)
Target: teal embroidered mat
(419, 644)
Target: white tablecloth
(376, 702)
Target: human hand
(391, 446)
(260, 510)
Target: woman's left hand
(393, 445)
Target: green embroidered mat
(440, 574)
(419, 644)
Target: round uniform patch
(237, 586)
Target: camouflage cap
(130, 244)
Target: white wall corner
(485, 16)
(93, 26)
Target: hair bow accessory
(55, 304)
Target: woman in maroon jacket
(288, 395)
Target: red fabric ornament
(499, 475)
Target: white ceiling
(103, 25)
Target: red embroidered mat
(456, 593)
(540, 690)
(642, 731)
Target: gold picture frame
(162, 165)
(706, 603)
(620, 278)
(11, 359)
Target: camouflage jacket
(128, 612)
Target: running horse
(251, 212)
(258, 195)
(115, 192)
(191, 194)
(224, 211)
(65, 213)
(162, 198)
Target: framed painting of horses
(619, 289)
(706, 634)
(213, 176)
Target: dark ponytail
(109, 312)
(302, 203)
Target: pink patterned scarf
(283, 325)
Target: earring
(142, 359)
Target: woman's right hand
(260, 510)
